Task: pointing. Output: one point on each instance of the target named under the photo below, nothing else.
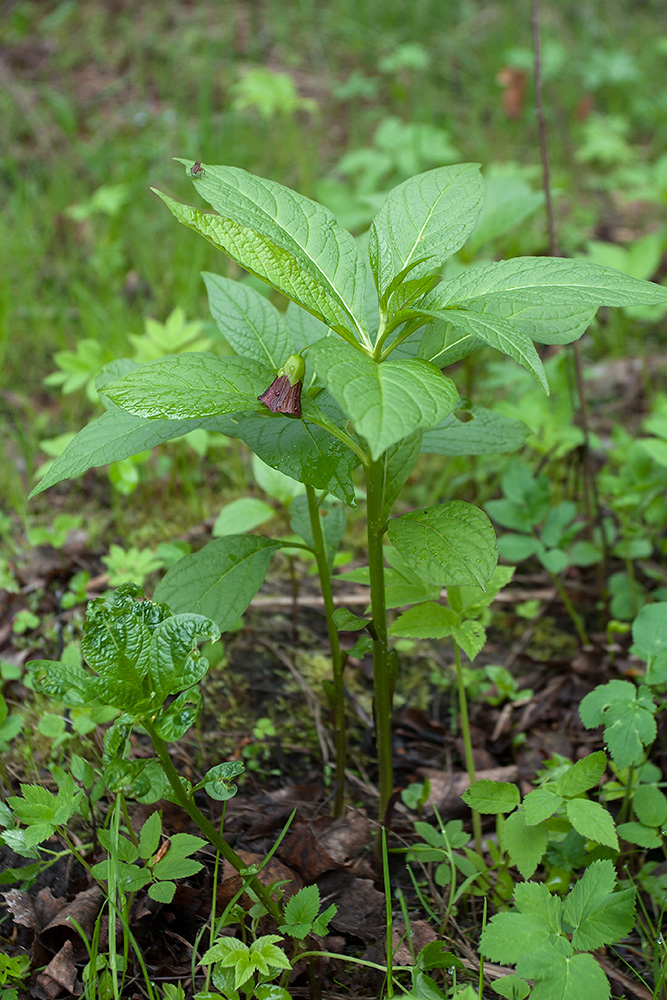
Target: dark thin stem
(541, 123)
(220, 844)
(382, 680)
(338, 693)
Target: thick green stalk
(220, 844)
(467, 744)
(382, 678)
(338, 694)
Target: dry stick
(590, 487)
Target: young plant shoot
(332, 384)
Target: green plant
(372, 369)
(13, 969)
(549, 940)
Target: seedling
(372, 384)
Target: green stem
(338, 694)
(467, 744)
(577, 620)
(382, 679)
(220, 844)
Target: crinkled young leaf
(387, 401)
(249, 322)
(174, 722)
(483, 433)
(191, 385)
(286, 239)
(67, 682)
(449, 544)
(426, 218)
(218, 781)
(220, 580)
(175, 662)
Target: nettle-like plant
(349, 375)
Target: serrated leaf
(191, 385)
(220, 580)
(249, 322)
(649, 632)
(584, 774)
(471, 637)
(637, 833)
(426, 218)
(288, 240)
(345, 621)
(511, 987)
(485, 433)
(649, 805)
(525, 844)
(561, 977)
(425, 621)
(149, 838)
(597, 914)
(162, 892)
(592, 820)
(386, 401)
(534, 924)
(493, 797)
(539, 805)
(452, 544)
(300, 912)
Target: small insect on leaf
(196, 169)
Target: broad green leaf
(548, 281)
(628, 717)
(597, 914)
(387, 401)
(302, 449)
(117, 435)
(426, 218)
(425, 621)
(332, 522)
(242, 515)
(559, 324)
(220, 580)
(561, 977)
(191, 385)
(592, 820)
(508, 201)
(584, 774)
(650, 805)
(534, 924)
(402, 585)
(440, 343)
(277, 484)
(162, 892)
(450, 544)
(288, 240)
(511, 987)
(637, 833)
(524, 843)
(539, 805)
(248, 321)
(399, 461)
(649, 632)
(492, 797)
(175, 662)
(303, 327)
(496, 332)
(482, 433)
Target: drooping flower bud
(284, 393)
